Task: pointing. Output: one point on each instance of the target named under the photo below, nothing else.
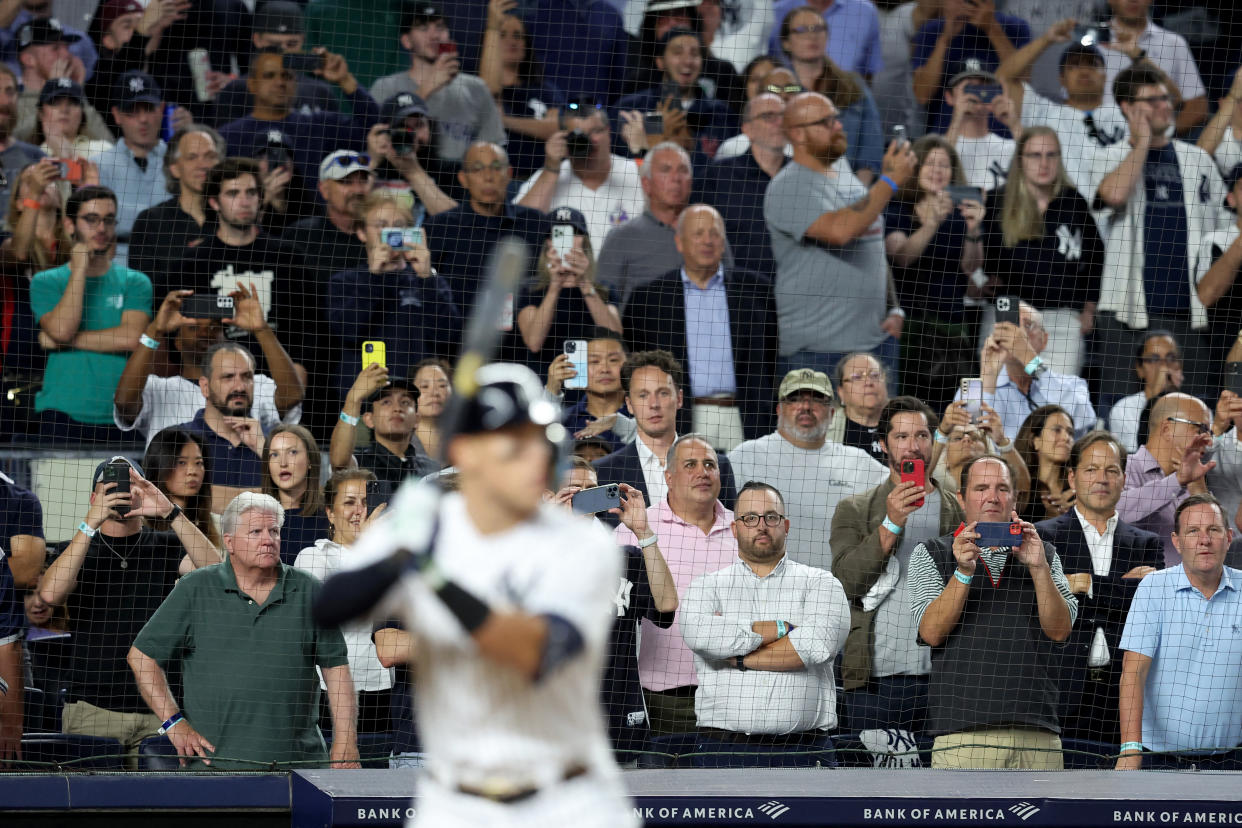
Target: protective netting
(853, 247)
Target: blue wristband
(964, 579)
(1034, 365)
(173, 720)
(782, 630)
(1131, 746)
(348, 419)
(890, 182)
(149, 342)
(890, 526)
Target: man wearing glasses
(91, 311)
(1161, 201)
(1168, 468)
(765, 628)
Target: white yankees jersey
(477, 720)
(986, 160)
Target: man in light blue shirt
(853, 33)
(1181, 689)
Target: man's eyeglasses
(827, 122)
(351, 160)
(765, 116)
(752, 520)
(476, 168)
(787, 89)
(1202, 428)
(873, 376)
(812, 29)
(94, 220)
(1156, 359)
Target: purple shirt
(664, 660)
(1150, 499)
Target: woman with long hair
(432, 377)
(934, 245)
(1044, 442)
(291, 464)
(1043, 246)
(60, 125)
(804, 37)
(345, 507)
(176, 462)
(565, 301)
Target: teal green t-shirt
(365, 32)
(81, 383)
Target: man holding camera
(113, 576)
(582, 172)
(992, 607)
(401, 152)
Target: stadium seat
(71, 752)
(42, 711)
(666, 751)
(156, 753)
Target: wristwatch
(739, 663)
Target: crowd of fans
(837, 279)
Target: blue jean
(886, 352)
(890, 702)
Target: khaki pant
(999, 747)
(670, 713)
(129, 729)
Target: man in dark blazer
(1090, 537)
(720, 324)
(652, 381)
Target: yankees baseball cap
(420, 13)
(399, 107)
(111, 10)
(137, 87)
(394, 384)
(568, 215)
(279, 17)
(42, 31)
(99, 470)
(671, 5)
(342, 163)
(970, 68)
(1081, 50)
(805, 379)
(508, 395)
(58, 88)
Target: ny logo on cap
(64, 83)
(274, 136)
(564, 214)
(136, 85)
(54, 24)
(973, 64)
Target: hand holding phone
(373, 353)
(992, 535)
(912, 471)
(596, 500)
(207, 306)
(576, 351)
(959, 193)
(1008, 309)
(972, 396)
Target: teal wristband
(964, 579)
(890, 182)
(149, 342)
(939, 437)
(348, 419)
(782, 630)
(1132, 746)
(890, 526)
(1034, 365)
(85, 529)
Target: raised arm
(840, 227)
(1017, 66)
(128, 395)
(341, 449)
(941, 616)
(248, 315)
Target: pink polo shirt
(664, 660)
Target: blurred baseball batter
(509, 614)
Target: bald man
(462, 238)
(833, 292)
(1168, 468)
(720, 323)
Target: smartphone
(912, 471)
(116, 472)
(562, 239)
(576, 350)
(70, 169)
(373, 353)
(207, 306)
(653, 123)
(959, 193)
(899, 135)
(449, 48)
(402, 238)
(598, 499)
(378, 493)
(998, 534)
(972, 395)
(303, 64)
(985, 92)
(1008, 309)
(1232, 381)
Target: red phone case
(917, 476)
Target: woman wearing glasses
(804, 37)
(1043, 246)
(1158, 364)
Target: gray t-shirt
(463, 109)
(897, 651)
(828, 299)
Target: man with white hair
(1016, 381)
(643, 249)
(242, 633)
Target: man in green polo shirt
(248, 649)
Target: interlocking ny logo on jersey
(1069, 243)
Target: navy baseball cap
(57, 88)
(99, 470)
(137, 87)
(970, 68)
(42, 31)
(394, 384)
(279, 17)
(399, 107)
(568, 215)
(1078, 49)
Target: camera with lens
(578, 144)
(403, 141)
